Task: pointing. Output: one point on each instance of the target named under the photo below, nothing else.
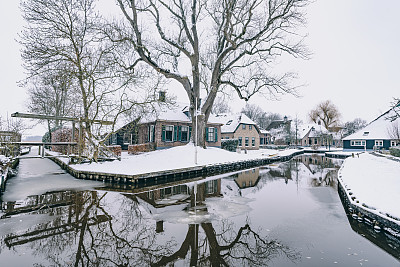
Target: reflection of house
(242, 128)
(248, 178)
(178, 194)
(382, 132)
(166, 127)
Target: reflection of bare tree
(83, 233)
(246, 247)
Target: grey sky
(355, 61)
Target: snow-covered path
(373, 181)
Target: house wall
(369, 144)
(240, 132)
(143, 134)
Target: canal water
(284, 214)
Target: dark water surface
(287, 214)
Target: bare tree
(221, 105)
(327, 113)
(64, 37)
(394, 131)
(353, 126)
(214, 46)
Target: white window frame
(250, 127)
(244, 126)
(246, 141)
(393, 142)
(240, 141)
(358, 142)
(211, 134)
(253, 141)
(378, 142)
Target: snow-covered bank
(176, 158)
(373, 183)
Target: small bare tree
(327, 113)
(214, 46)
(63, 37)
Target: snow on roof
(318, 129)
(377, 129)
(178, 112)
(232, 121)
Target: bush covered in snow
(395, 151)
(229, 144)
(64, 135)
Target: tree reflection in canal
(98, 228)
(282, 214)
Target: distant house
(316, 135)
(265, 138)
(168, 126)
(378, 134)
(242, 128)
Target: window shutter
(216, 134)
(206, 134)
(149, 135)
(190, 132)
(163, 133)
(179, 133)
(175, 133)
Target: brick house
(168, 126)
(242, 128)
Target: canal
(284, 214)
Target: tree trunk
(199, 130)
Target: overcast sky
(355, 61)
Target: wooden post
(80, 139)
(73, 135)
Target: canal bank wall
(364, 210)
(175, 174)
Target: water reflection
(203, 221)
(99, 228)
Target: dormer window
(366, 133)
(229, 122)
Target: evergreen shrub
(395, 151)
(229, 144)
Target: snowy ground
(176, 158)
(375, 182)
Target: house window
(127, 138)
(240, 141)
(246, 141)
(358, 142)
(169, 133)
(392, 143)
(378, 142)
(244, 126)
(211, 134)
(250, 127)
(253, 141)
(184, 133)
(315, 141)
